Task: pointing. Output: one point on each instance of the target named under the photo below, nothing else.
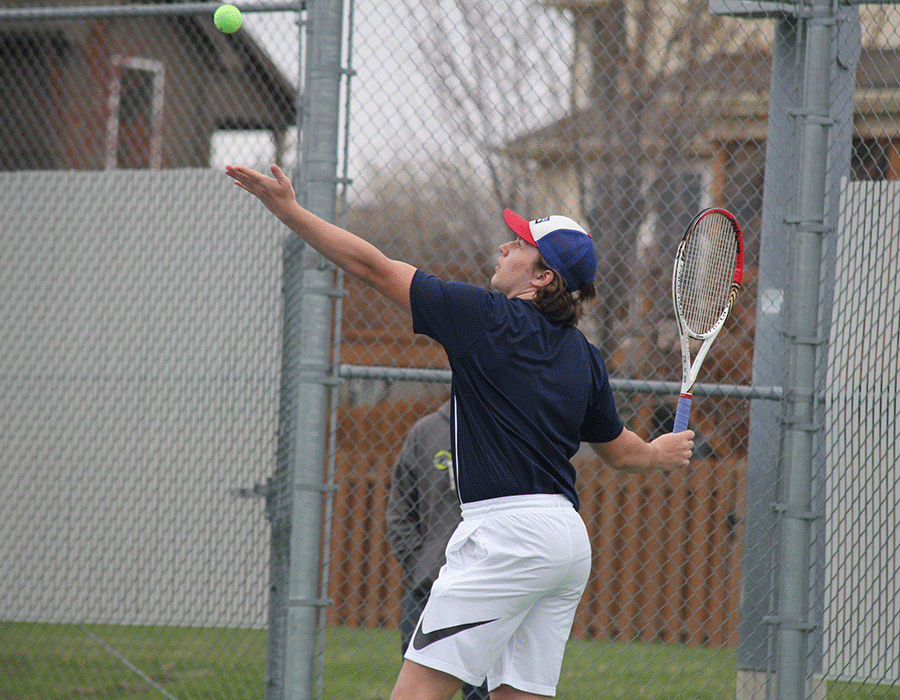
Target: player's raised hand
(276, 192)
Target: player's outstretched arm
(629, 453)
(357, 257)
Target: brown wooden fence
(666, 547)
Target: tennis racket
(706, 280)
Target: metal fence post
(810, 112)
(753, 654)
(307, 373)
(795, 510)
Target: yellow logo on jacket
(443, 461)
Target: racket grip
(682, 413)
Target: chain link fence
(142, 361)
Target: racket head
(706, 280)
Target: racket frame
(690, 370)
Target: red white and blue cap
(565, 245)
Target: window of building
(134, 117)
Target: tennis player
(527, 389)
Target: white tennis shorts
(503, 604)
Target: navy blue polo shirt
(526, 392)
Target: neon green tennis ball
(228, 19)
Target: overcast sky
(396, 114)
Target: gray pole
(309, 364)
(794, 625)
(794, 100)
(779, 201)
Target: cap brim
(519, 226)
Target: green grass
(49, 662)
(659, 671)
(61, 661)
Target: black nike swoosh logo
(422, 640)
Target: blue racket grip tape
(682, 413)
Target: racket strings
(707, 272)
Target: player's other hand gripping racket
(706, 280)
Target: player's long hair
(557, 303)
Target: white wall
(862, 575)
(139, 373)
